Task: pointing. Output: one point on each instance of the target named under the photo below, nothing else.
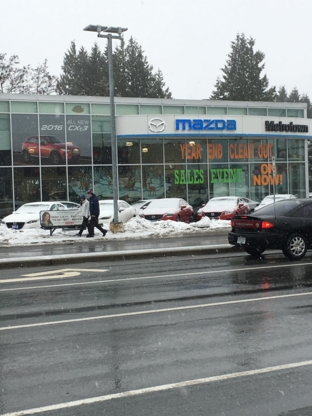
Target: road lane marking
(130, 279)
(180, 308)
(160, 388)
(53, 274)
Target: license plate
(241, 240)
(15, 227)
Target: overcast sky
(187, 40)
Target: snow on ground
(136, 228)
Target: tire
(55, 158)
(26, 156)
(178, 218)
(296, 247)
(254, 251)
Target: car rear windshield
(279, 208)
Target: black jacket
(94, 205)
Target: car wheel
(254, 251)
(178, 218)
(55, 157)
(26, 156)
(296, 247)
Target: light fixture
(144, 149)
(129, 144)
(192, 143)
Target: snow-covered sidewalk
(136, 228)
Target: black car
(285, 225)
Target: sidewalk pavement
(104, 250)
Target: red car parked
(223, 208)
(51, 147)
(174, 209)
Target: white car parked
(270, 199)
(27, 216)
(125, 211)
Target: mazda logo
(156, 125)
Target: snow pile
(134, 229)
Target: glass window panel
(51, 108)
(176, 181)
(295, 149)
(122, 109)
(5, 142)
(257, 111)
(216, 110)
(6, 196)
(102, 149)
(100, 109)
(295, 113)
(101, 124)
(78, 139)
(54, 186)
(259, 183)
(23, 107)
(77, 108)
(79, 181)
(277, 112)
(174, 151)
(173, 109)
(197, 181)
(130, 188)
(218, 179)
(153, 182)
(238, 179)
(52, 144)
(128, 151)
(240, 150)
(237, 111)
(103, 182)
(150, 109)
(25, 151)
(27, 184)
(217, 150)
(261, 150)
(4, 107)
(296, 178)
(279, 149)
(152, 151)
(195, 150)
(195, 110)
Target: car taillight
(266, 225)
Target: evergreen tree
(68, 80)
(282, 95)
(85, 74)
(294, 96)
(242, 79)
(305, 99)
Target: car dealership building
(56, 147)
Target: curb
(114, 256)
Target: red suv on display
(51, 147)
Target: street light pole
(111, 33)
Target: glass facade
(56, 151)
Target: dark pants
(84, 225)
(94, 223)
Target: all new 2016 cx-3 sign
(206, 124)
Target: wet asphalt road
(235, 332)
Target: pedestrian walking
(94, 215)
(84, 210)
